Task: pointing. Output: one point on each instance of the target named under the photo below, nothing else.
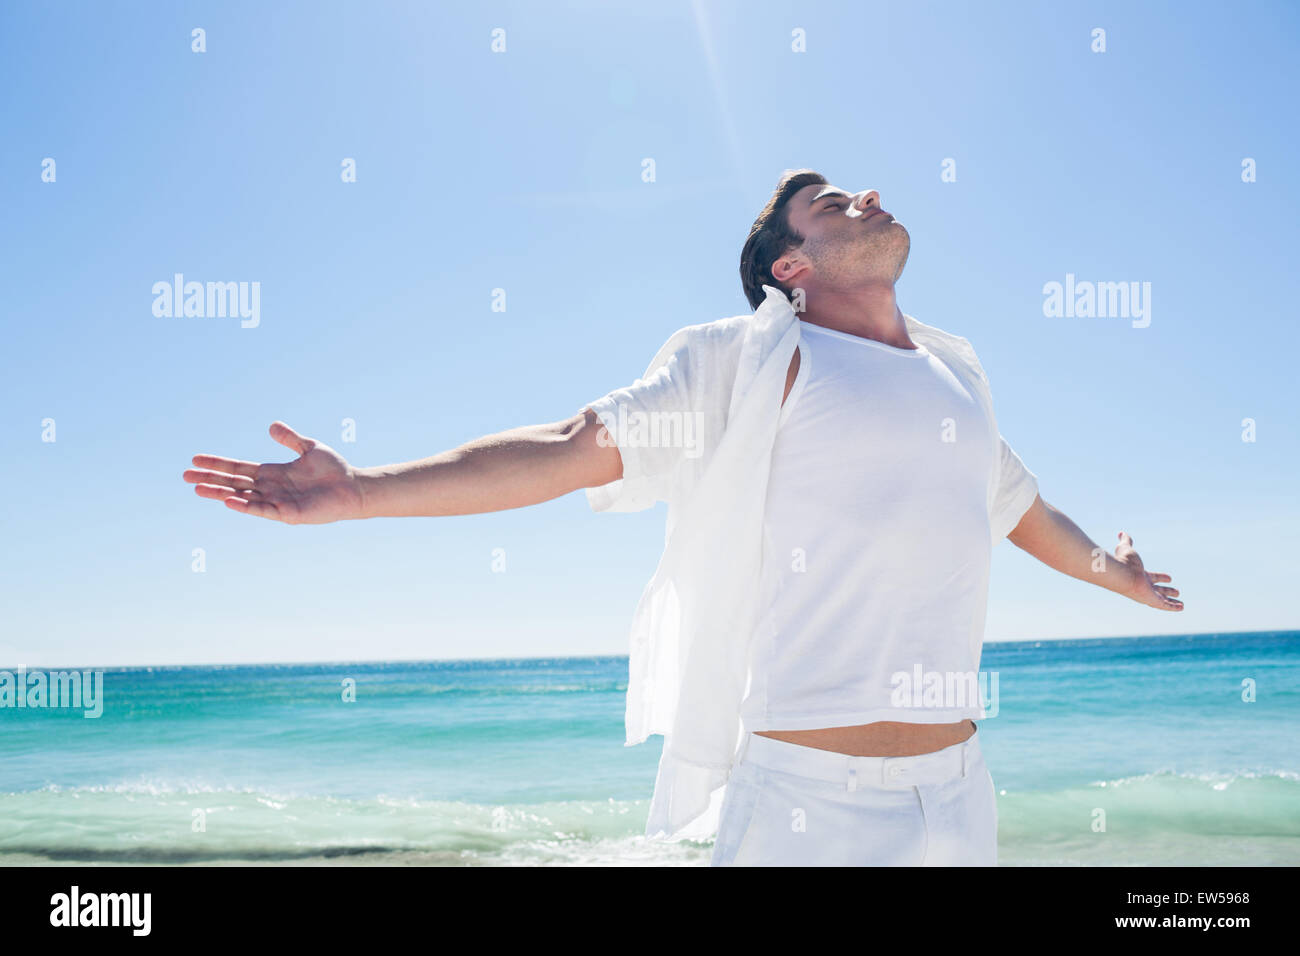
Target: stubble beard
(871, 258)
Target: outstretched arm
(510, 469)
(1051, 537)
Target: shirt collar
(777, 311)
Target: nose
(863, 200)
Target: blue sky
(522, 170)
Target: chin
(900, 247)
(886, 256)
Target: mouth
(874, 213)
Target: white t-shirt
(876, 547)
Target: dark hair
(771, 236)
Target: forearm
(510, 469)
(1051, 537)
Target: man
(835, 481)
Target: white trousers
(790, 805)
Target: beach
(1119, 751)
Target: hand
(317, 488)
(1144, 588)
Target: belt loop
(853, 779)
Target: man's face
(849, 240)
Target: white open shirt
(688, 663)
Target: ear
(788, 267)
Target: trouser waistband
(887, 773)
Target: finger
(1125, 539)
(1167, 602)
(1167, 592)
(1156, 576)
(289, 438)
(258, 509)
(217, 492)
(229, 466)
(221, 493)
(199, 476)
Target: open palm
(1146, 588)
(319, 487)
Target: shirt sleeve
(655, 428)
(1017, 488)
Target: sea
(1169, 750)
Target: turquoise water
(522, 761)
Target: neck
(868, 311)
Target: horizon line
(553, 657)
